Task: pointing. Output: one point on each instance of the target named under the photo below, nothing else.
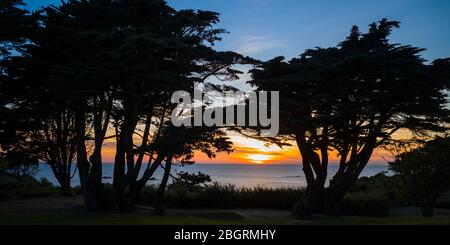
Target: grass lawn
(68, 211)
(120, 219)
(204, 219)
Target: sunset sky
(267, 28)
(255, 152)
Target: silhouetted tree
(16, 24)
(425, 172)
(117, 63)
(38, 123)
(18, 163)
(11, 35)
(349, 100)
(16, 29)
(191, 181)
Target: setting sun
(258, 158)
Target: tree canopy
(99, 70)
(350, 99)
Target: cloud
(251, 45)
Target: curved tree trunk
(126, 192)
(62, 177)
(89, 189)
(327, 200)
(159, 199)
(317, 197)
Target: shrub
(225, 196)
(191, 181)
(12, 188)
(425, 172)
(443, 205)
(365, 204)
(382, 184)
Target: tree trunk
(65, 185)
(427, 211)
(309, 203)
(62, 176)
(332, 200)
(159, 199)
(427, 205)
(126, 192)
(322, 201)
(90, 194)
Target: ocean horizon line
(259, 164)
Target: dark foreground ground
(69, 210)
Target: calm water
(238, 174)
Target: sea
(240, 175)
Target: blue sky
(267, 28)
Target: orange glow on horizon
(252, 151)
(249, 151)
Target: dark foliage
(351, 99)
(224, 197)
(190, 181)
(425, 172)
(12, 187)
